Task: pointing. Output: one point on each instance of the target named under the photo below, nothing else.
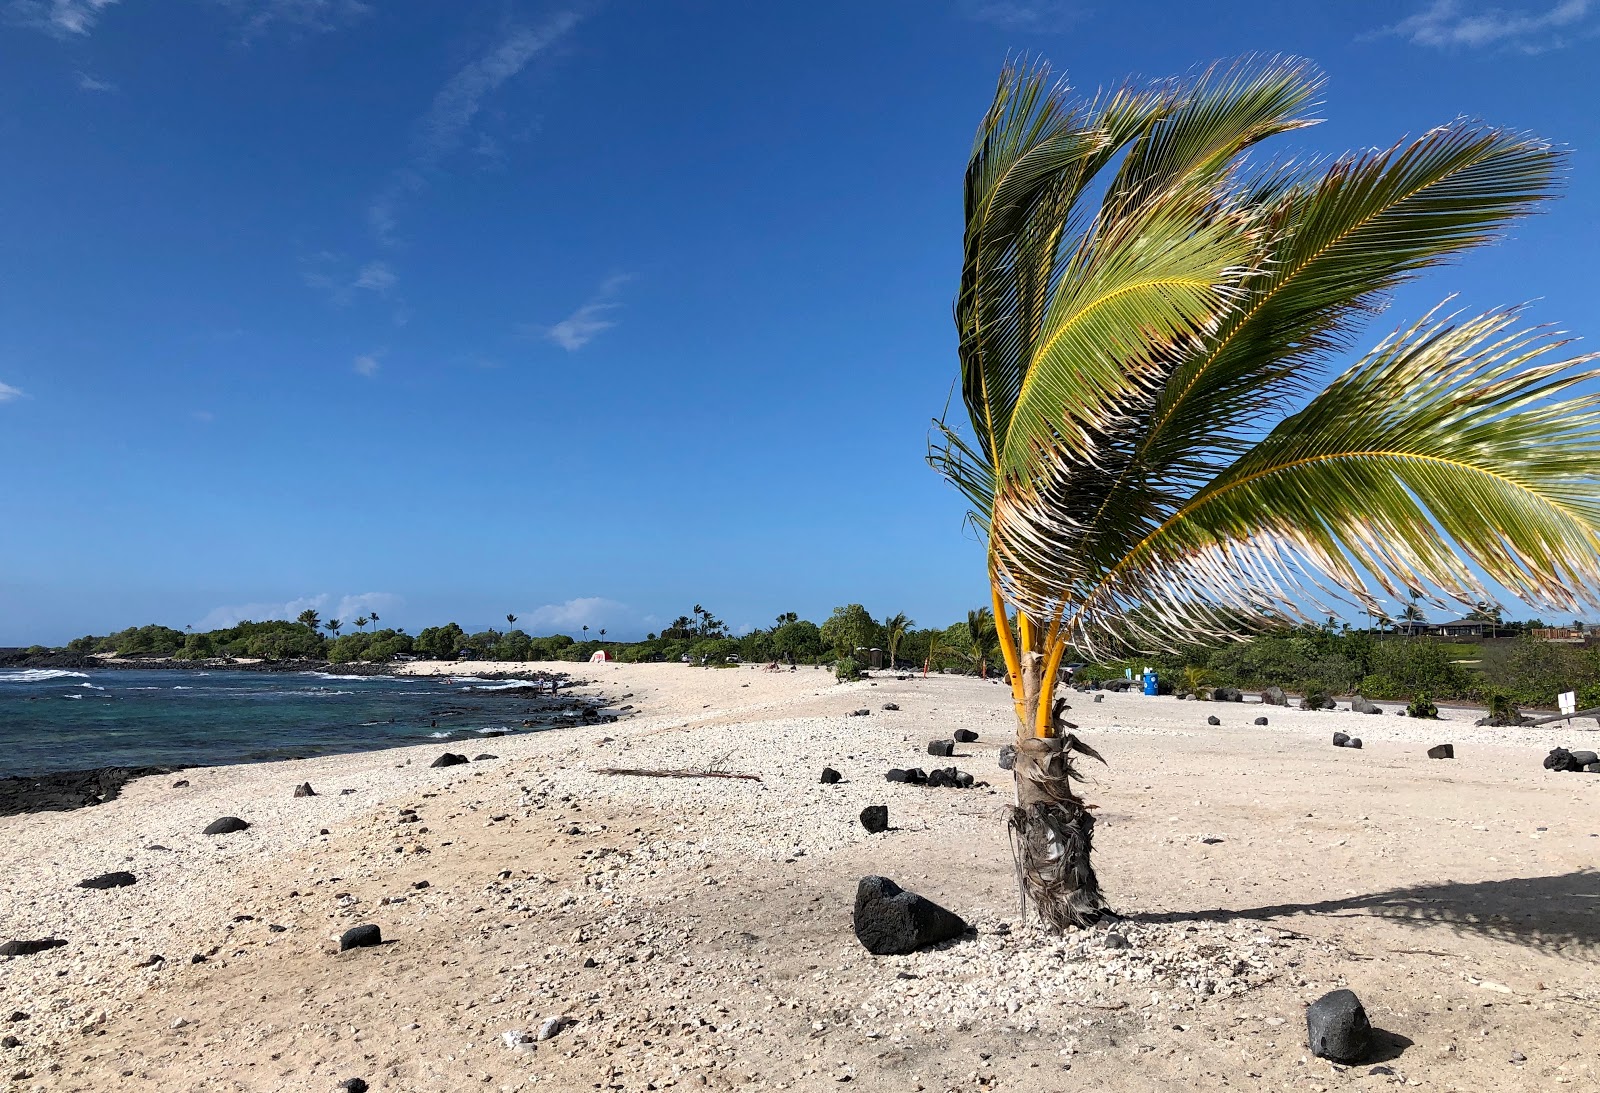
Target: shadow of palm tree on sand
(1559, 914)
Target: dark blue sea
(52, 720)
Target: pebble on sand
(304, 790)
(449, 759)
(829, 776)
(1442, 751)
(28, 948)
(109, 880)
(965, 736)
(942, 748)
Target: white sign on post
(1568, 700)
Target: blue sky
(583, 311)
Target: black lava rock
(1584, 758)
(354, 1085)
(875, 818)
(485, 755)
(304, 790)
(1227, 694)
(1099, 698)
(829, 776)
(1560, 759)
(1362, 704)
(9, 1041)
(180, 783)
(360, 937)
(1442, 751)
(942, 748)
(109, 880)
(890, 706)
(1341, 739)
(917, 776)
(890, 921)
(1591, 768)
(964, 780)
(895, 774)
(1354, 743)
(1261, 721)
(227, 825)
(1274, 696)
(1008, 756)
(965, 736)
(1213, 720)
(28, 948)
(1337, 1027)
(449, 759)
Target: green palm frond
(1442, 447)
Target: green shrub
(1422, 706)
(846, 670)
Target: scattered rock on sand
(551, 1027)
(1562, 759)
(875, 818)
(942, 748)
(1099, 698)
(485, 755)
(1274, 696)
(360, 937)
(1008, 756)
(894, 774)
(304, 790)
(1261, 721)
(449, 759)
(1213, 720)
(1362, 704)
(890, 921)
(180, 783)
(1337, 1027)
(109, 880)
(353, 1085)
(965, 736)
(1227, 694)
(1442, 751)
(226, 825)
(28, 948)
(890, 706)
(829, 776)
(1115, 940)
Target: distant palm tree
(894, 630)
(511, 620)
(372, 616)
(361, 623)
(585, 631)
(980, 633)
(309, 618)
(602, 633)
(332, 626)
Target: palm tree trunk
(1051, 830)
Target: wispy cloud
(1034, 15)
(259, 16)
(1450, 24)
(8, 393)
(86, 82)
(592, 319)
(344, 607)
(574, 614)
(444, 128)
(368, 364)
(321, 272)
(58, 18)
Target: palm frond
(1442, 447)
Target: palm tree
(361, 623)
(332, 626)
(1140, 306)
(511, 620)
(894, 630)
(372, 616)
(980, 636)
(585, 631)
(309, 619)
(1413, 617)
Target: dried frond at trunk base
(1052, 834)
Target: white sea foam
(92, 686)
(39, 675)
(183, 688)
(77, 697)
(439, 735)
(506, 686)
(329, 675)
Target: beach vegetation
(847, 669)
(1158, 450)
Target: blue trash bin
(1149, 681)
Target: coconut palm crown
(1146, 312)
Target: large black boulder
(360, 937)
(829, 776)
(1362, 704)
(965, 736)
(1442, 751)
(1584, 758)
(449, 759)
(1560, 759)
(109, 880)
(942, 748)
(894, 774)
(875, 818)
(226, 825)
(1227, 694)
(1274, 696)
(1337, 1027)
(890, 921)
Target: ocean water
(54, 720)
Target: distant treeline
(1327, 659)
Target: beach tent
(600, 656)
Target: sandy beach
(696, 933)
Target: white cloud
(376, 277)
(314, 15)
(59, 18)
(595, 611)
(8, 392)
(1448, 24)
(590, 320)
(1035, 15)
(448, 121)
(368, 364)
(86, 82)
(348, 608)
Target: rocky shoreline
(63, 791)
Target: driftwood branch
(681, 773)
